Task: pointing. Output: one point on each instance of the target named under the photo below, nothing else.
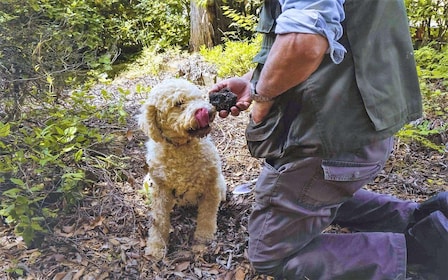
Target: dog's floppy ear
(147, 121)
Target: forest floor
(104, 237)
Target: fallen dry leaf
(78, 274)
(69, 228)
(240, 274)
(182, 266)
(114, 241)
(129, 135)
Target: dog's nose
(202, 117)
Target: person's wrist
(257, 97)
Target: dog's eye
(179, 103)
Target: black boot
(427, 244)
(437, 202)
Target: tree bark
(206, 24)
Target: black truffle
(223, 99)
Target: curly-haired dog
(183, 164)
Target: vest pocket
(267, 138)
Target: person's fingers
(235, 111)
(242, 106)
(223, 113)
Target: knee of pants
(272, 268)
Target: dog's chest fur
(184, 169)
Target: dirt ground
(104, 236)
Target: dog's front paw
(203, 236)
(199, 249)
(155, 245)
(155, 251)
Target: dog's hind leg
(222, 187)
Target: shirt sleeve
(322, 17)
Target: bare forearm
(292, 59)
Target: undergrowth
(233, 58)
(432, 67)
(50, 155)
(153, 61)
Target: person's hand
(240, 87)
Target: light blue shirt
(322, 17)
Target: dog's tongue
(202, 117)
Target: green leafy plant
(147, 192)
(47, 157)
(48, 45)
(234, 58)
(153, 61)
(432, 68)
(419, 133)
(428, 21)
(243, 20)
(20, 209)
(432, 63)
(162, 23)
(15, 270)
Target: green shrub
(64, 43)
(420, 133)
(432, 67)
(162, 23)
(243, 16)
(432, 63)
(433, 72)
(152, 61)
(234, 58)
(429, 18)
(50, 154)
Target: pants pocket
(336, 182)
(335, 170)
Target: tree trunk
(206, 24)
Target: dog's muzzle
(203, 118)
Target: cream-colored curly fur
(183, 163)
